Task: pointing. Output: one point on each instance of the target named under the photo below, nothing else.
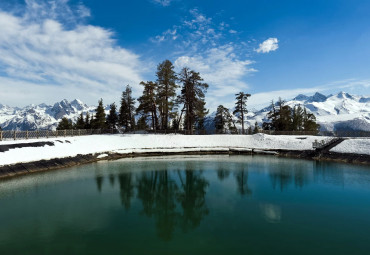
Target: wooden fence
(36, 134)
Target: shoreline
(20, 169)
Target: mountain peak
(318, 97)
(343, 95)
(301, 97)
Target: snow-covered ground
(99, 144)
(357, 146)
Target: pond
(189, 205)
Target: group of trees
(284, 118)
(224, 120)
(159, 105)
(160, 108)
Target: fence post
(15, 134)
(56, 133)
(37, 134)
(26, 134)
(47, 133)
(1, 135)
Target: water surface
(189, 205)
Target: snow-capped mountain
(341, 111)
(41, 116)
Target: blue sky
(87, 49)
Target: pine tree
(80, 123)
(256, 130)
(220, 119)
(284, 121)
(192, 97)
(87, 121)
(112, 118)
(166, 80)
(127, 110)
(309, 121)
(241, 107)
(250, 130)
(142, 123)
(297, 118)
(147, 103)
(99, 120)
(65, 124)
(224, 119)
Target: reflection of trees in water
(165, 206)
(192, 199)
(99, 182)
(126, 187)
(172, 198)
(283, 174)
(111, 179)
(222, 172)
(241, 176)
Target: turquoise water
(189, 205)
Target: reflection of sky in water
(184, 199)
(272, 213)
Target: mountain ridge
(341, 111)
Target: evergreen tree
(309, 121)
(147, 103)
(166, 80)
(284, 121)
(127, 110)
(87, 121)
(241, 107)
(283, 118)
(192, 97)
(250, 130)
(112, 118)
(142, 123)
(255, 131)
(224, 119)
(297, 118)
(99, 120)
(65, 124)
(80, 123)
(220, 119)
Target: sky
(91, 49)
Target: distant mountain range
(341, 111)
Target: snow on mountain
(341, 111)
(41, 116)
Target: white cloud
(222, 70)
(39, 54)
(163, 2)
(267, 46)
(168, 34)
